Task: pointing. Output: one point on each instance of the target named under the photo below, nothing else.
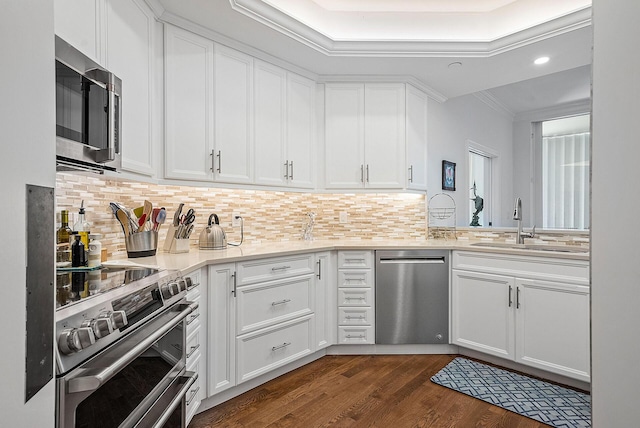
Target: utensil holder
(142, 244)
(179, 246)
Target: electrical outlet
(343, 217)
(235, 221)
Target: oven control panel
(83, 330)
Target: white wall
(615, 243)
(450, 125)
(26, 157)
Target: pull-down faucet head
(517, 209)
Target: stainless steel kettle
(213, 236)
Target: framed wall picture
(448, 175)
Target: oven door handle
(91, 380)
(163, 408)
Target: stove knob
(182, 284)
(86, 337)
(189, 282)
(174, 288)
(101, 325)
(166, 291)
(118, 319)
(69, 341)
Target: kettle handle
(213, 216)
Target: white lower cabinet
(542, 323)
(221, 353)
(355, 298)
(264, 350)
(325, 299)
(196, 341)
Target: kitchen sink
(533, 247)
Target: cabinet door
(269, 124)
(188, 105)
(344, 136)
(300, 131)
(79, 22)
(552, 327)
(233, 92)
(482, 307)
(416, 139)
(221, 351)
(131, 56)
(326, 299)
(384, 135)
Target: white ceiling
(484, 64)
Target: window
(565, 173)
(479, 188)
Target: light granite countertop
(196, 258)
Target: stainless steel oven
(121, 356)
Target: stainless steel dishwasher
(412, 297)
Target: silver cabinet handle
(367, 173)
(360, 317)
(510, 291)
(194, 393)
(193, 318)
(219, 162)
(411, 174)
(354, 298)
(235, 284)
(319, 262)
(291, 175)
(286, 170)
(213, 160)
(193, 349)
(362, 173)
(280, 268)
(281, 302)
(348, 336)
(517, 297)
(284, 345)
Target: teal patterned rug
(544, 402)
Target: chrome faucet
(517, 215)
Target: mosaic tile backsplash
(268, 215)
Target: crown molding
(289, 26)
(375, 78)
(555, 112)
(495, 104)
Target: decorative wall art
(448, 175)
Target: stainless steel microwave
(88, 113)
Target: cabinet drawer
(355, 297)
(355, 316)
(355, 335)
(195, 394)
(265, 304)
(193, 295)
(193, 346)
(274, 268)
(355, 278)
(265, 350)
(355, 259)
(194, 320)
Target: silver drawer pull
(284, 345)
(193, 395)
(280, 268)
(193, 318)
(355, 337)
(193, 349)
(360, 317)
(281, 302)
(354, 298)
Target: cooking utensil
(176, 216)
(148, 209)
(124, 221)
(162, 216)
(141, 222)
(154, 218)
(138, 211)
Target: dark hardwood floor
(360, 391)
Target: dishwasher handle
(413, 260)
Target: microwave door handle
(108, 154)
(94, 379)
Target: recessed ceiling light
(541, 60)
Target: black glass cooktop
(80, 285)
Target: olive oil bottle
(64, 232)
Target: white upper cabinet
(270, 83)
(365, 135)
(416, 139)
(188, 105)
(233, 98)
(79, 22)
(130, 55)
(283, 127)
